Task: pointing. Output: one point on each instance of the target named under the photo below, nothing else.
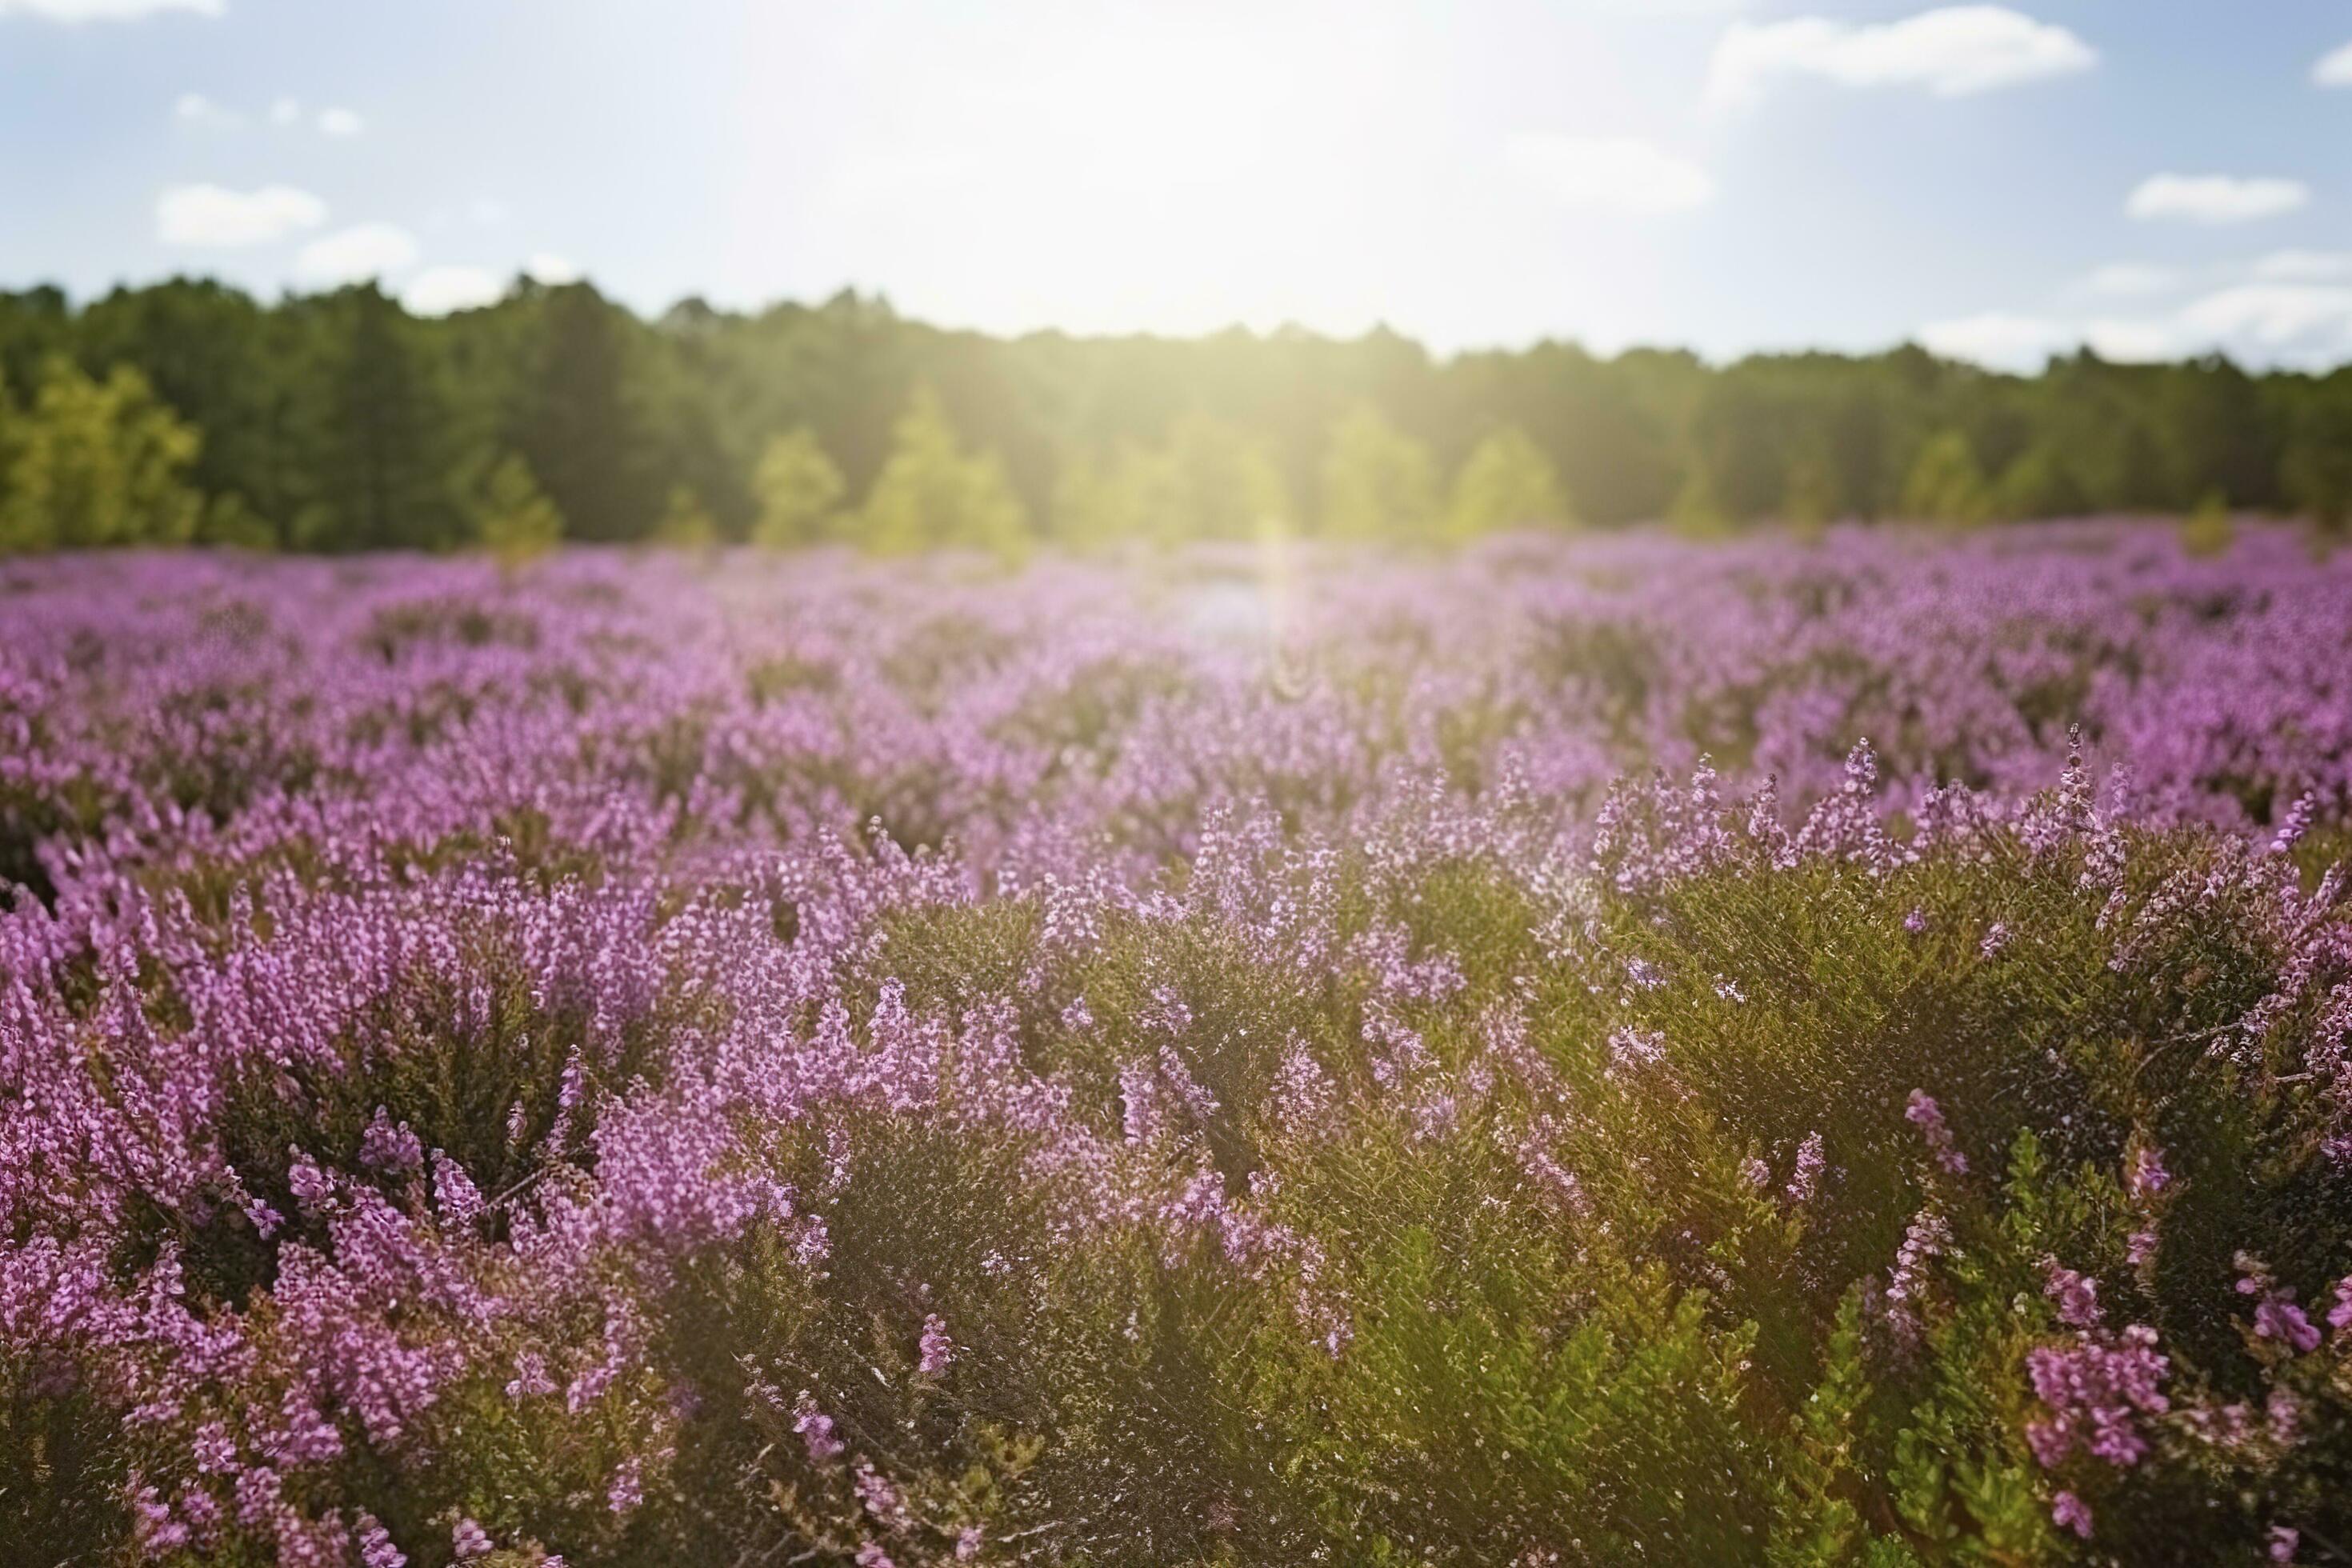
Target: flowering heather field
(660, 1060)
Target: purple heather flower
(627, 1489)
(395, 1149)
(376, 1549)
(1922, 1111)
(2095, 1390)
(2076, 1295)
(938, 1350)
(1805, 1179)
(2284, 1540)
(2071, 1513)
(469, 1539)
(881, 1499)
(815, 1429)
(531, 1377)
(2276, 1317)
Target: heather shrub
(788, 1059)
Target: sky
(2152, 177)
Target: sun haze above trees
(189, 410)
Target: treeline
(189, 411)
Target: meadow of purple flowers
(1584, 1051)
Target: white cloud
(2272, 315)
(364, 250)
(546, 267)
(2216, 198)
(2335, 68)
(2304, 267)
(2131, 279)
(105, 10)
(285, 111)
(1653, 9)
(212, 216)
(195, 108)
(2134, 340)
(1951, 52)
(340, 123)
(439, 290)
(1998, 339)
(1613, 172)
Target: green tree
(95, 462)
(932, 494)
(1378, 484)
(1945, 484)
(798, 489)
(1085, 512)
(1209, 481)
(1121, 500)
(2209, 530)
(1221, 483)
(1696, 513)
(581, 426)
(2315, 469)
(2037, 483)
(1505, 482)
(382, 465)
(245, 374)
(513, 518)
(1811, 502)
(686, 523)
(227, 521)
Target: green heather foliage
(1592, 1309)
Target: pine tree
(512, 517)
(1505, 482)
(2038, 483)
(799, 493)
(581, 429)
(2209, 530)
(382, 464)
(1695, 512)
(685, 522)
(92, 463)
(1084, 514)
(932, 494)
(1945, 484)
(1810, 502)
(1378, 484)
(1220, 483)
